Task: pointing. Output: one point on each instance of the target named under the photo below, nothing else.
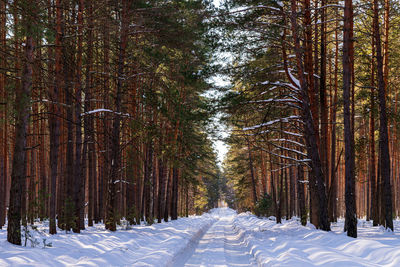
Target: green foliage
(264, 206)
(131, 215)
(68, 218)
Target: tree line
(313, 109)
(103, 114)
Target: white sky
(219, 145)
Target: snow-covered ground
(218, 238)
(290, 244)
(155, 245)
(221, 245)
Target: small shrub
(28, 235)
(46, 244)
(264, 206)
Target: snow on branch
(327, 6)
(287, 85)
(293, 134)
(284, 167)
(54, 102)
(287, 157)
(290, 150)
(274, 100)
(289, 141)
(294, 79)
(105, 110)
(287, 119)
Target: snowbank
(290, 244)
(155, 245)
(165, 244)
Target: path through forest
(220, 237)
(221, 245)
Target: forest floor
(218, 238)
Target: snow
(104, 110)
(273, 100)
(286, 119)
(219, 238)
(155, 245)
(268, 7)
(290, 244)
(288, 141)
(222, 245)
(294, 79)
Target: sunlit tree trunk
(311, 139)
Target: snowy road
(218, 238)
(221, 245)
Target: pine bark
(351, 218)
(3, 132)
(115, 170)
(318, 180)
(79, 174)
(301, 195)
(252, 175)
(174, 195)
(162, 177)
(312, 96)
(383, 127)
(22, 106)
(323, 99)
(54, 122)
(148, 182)
(372, 162)
(332, 206)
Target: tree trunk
(292, 193)
(162, 177)
(70, 172)
(312, 95)
(252, 176)
(351, 218)
(43, 189)
(22, 107)
(3, 118)
(383, 127)
(301, 195)
(148, 182)
(167, 196)
(174, 196)
(115, 170)
(332, 205)
(372, 163)
(54, 123)
(79, 174)
(274, 193)
(323, 101)
(318, 180)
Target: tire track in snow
(182, 256)
(221, 245)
